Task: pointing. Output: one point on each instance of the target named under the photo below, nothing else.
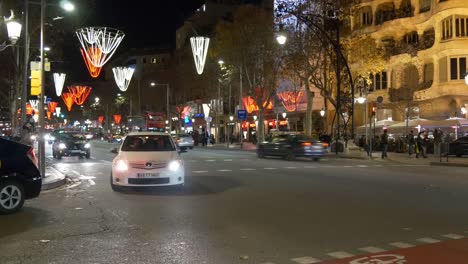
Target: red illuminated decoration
(184, 111)
(49, 114)
(289, 99)
(52, 106)
(80, 93)
(251, 106)
(117, 119)
(69, 100)
(100, 119)
(95, 54)
(29, 109)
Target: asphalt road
(236, 208)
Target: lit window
(154, 60)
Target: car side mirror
(114, 150)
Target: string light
(199, 50)
(123, 76)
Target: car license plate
(147, 175)
(76, 151)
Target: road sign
(241, 114)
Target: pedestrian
(411, 143)
(437, 141)
(384, 142)
(421, 142)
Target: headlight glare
(174, 165)
(121, 165)
(62, 146)
(87, 145)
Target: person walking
(411, 143)
(421, 142)
(384, 142)
(437, 141)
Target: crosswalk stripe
(340, 254)
(427, 240)
(290, 167)
(269, 168)
(372, 249)
(305, 260)
(199, 171)
(228, 160)
(223, 170)
(401, 245)
(248, 169)
(453, 236)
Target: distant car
(20, 178)
(115, 139)
(184, 141)
(459, 147)
(147, 159)
(71, 144)
(291, 146)
(88, 136)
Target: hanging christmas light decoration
(289, 99)
(58, 110)
(106, 40)
(123, 76)
(95, 53)
(29, 109)
(68, 99)
(59, 81)
(199, 50)
(49, 114)
(100, 119)
(117, 119)
(80, 93)
(52, 106)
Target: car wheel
(261, 154)
(88, 155)
(290, 156)
(11, 197)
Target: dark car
(291, 146)
(20, 178)
(71, 144)
(459, 147)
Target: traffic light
(372, 109)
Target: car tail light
(325, 145)
(306, 144)
(32, 156)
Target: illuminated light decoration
(94, 53)
(206, 110)
(29, 109)
(49, 114)
(199, 50)
(69, 100)
(251, 106)
(80, 93)
(184, 111)
(34, 104)
(58, 110)
(52, 106)
(123, 76)
(100, 119)
(106, 40)
(289, 99)
(59, 81)
(117, 119)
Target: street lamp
(14, 30)
(96, 100)
(153, 84)
(361, 100)
(255, 118)
(284, 115)
(67, 6)
(231, 118)
(322, 112)
(220, 62)
(47, 48)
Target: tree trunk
(310, 100)
(261, 126)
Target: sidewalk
(52, 178)
(247, 146)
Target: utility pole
(41, 144)
(240, 103)
(338, 77)
(24, 96)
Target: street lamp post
(167, 103)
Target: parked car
(291, 146)
(147, 159)
(459, 147)
(20, 178)
(71, 144)
(184, 141)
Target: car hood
(143, 156)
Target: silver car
(184, 141)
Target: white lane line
(340, 254)
(228, 160)
(77, 173)
(269, 168)
(223, 170)
(362, 166)
(305, 260)
(310, 167)
(372, 249)
(210, 160)
(401, 245)
(453, 236)
(347, 166)
(248, 169)
(72, 186)
(290, 167)
(378, 166)
(427, 240)
(199, 171)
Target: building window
(143, 60)
(447, 28)
(379, 81)
(457, 68)
(412, 38)
(154, 60)
(425, 5)
(461, 26)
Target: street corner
(53, 178)
(449, 252)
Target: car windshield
(148, 143)
(70, 136)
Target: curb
(62, 180)
(448, 164)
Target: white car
(147, 159)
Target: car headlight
(121, 165)
(87, 145)
(174, 165)
(33, 137)
(62, 146)
(118, 139)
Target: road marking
(340, 254)
(106, 161)
(305, 260)
(362, 166)
(378, 166)
(77, 173)
(372, 249)
(210, 160)
(269, 168)
(310, 167)
(453, 236)
(427, 240)
(199, 171)
(290, 167)
(248, 169)
(401, 245)
(228, 160)
(223, 170)
(347, 166)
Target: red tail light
(306, 144)
(325, 145)
(32, 156)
